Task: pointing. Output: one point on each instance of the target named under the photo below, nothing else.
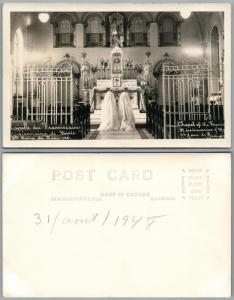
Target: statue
(116, 21)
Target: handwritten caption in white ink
(99, 219)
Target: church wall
(214, 20)
(190, 33)
(39, 43)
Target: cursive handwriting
(107, 218)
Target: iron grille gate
(44, 94)
(186, 97)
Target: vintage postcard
(117, 225)
(117, 75)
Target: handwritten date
(100, 219)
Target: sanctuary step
(140, 118)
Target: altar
(117, 83)
(129, 85)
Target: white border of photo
(131, 143)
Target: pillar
(79, 35)
(153, 34)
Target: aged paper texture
(116, 225)
(116, 75)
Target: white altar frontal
(133, 90)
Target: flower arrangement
(103, 64)
(129, 63)
(139, 68)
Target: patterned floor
(139, 133)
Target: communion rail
(192, 104)
(44, 93)
(44, 105)
(178, 121)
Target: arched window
(64, 32)
(168, 31)
(138, 32)
(94, 32)
(215, 62)
(18, 63)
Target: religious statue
(147, 70)
(116, 29)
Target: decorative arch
(157, 69)
(56, 17)
(169, 29)
(160, 16)
(64, 26)
(86, 16)
(68, 62)
(213, 19)
(146, 16)
(215, 22)
(94, 30)
(138, 28)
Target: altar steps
(140, 118)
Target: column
(153, 34)
(79, 35)
(51, 35)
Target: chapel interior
(63, 63)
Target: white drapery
(126, 117)
(109, 118)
